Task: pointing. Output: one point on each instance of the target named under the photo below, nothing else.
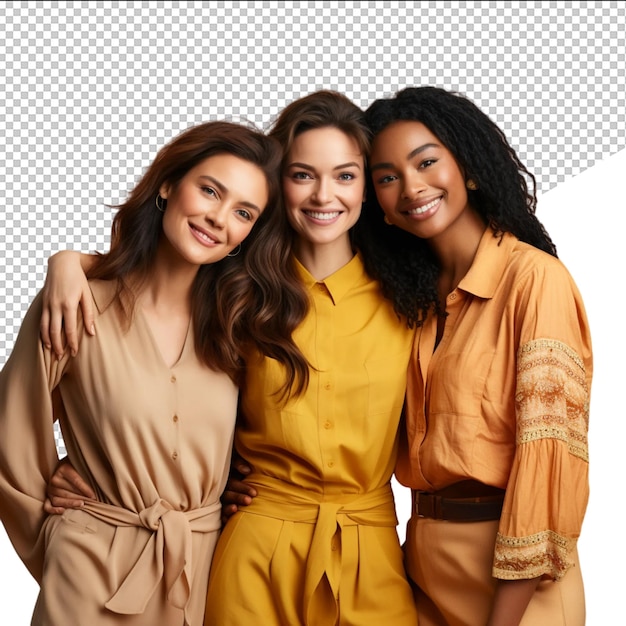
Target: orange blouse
(504, 399)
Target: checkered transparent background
(91, 90)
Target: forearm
(510, 601)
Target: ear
(164, 190)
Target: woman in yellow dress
(318, 543)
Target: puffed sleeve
(548, 488)
(28, 453)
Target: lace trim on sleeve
(518, 558)
(552, 397)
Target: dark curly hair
(404, 264)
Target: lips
(323, 215)
(423, 208)
(204, 236)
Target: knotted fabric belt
(330, 514)
(467, 501)
(166, 555)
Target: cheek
(241, 231)
(356, 198)
(292, 196)
(387, 199)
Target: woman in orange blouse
(498, 386)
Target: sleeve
(548, 488)
(28, 455)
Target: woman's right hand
(66, 490)
(237, 492)
(65, 289)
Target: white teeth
(317, 215)
(424, 208)
(204, 235)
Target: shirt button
(327, 425)
(175, 418)
(333, 546)
(174, 455)
(173, 379)
(331, 464)
(327, 386)
(452, 296)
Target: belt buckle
(429, 506)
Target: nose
(322, 193)
(414, 184)
(216, 216)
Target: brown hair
(238, 302)
(321, 109)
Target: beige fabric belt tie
(166, 556)
(323, 569)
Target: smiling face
(323, 185)
(213, 208)
(418, 182)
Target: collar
(340, 282)
(489, 264)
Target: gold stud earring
(471, 185)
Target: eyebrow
(223, 189)
(411, 155)
(337, 167)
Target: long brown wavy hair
(320, 109)
(238, 302)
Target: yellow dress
(318, 545)
(153, 442)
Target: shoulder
(533, 266)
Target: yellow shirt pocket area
(387, 382)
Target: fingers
(239, 465)
(52, 510)
(70, 324)
(65, 291)
(44, 329)
(86, 305)
(237, 499)
(57, 337)
(227, 512)
(240, 487)
(67, 483)
(67, 501)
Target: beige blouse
(153, 441)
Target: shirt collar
(340, 282)
(489, 264)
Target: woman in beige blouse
(147, 406)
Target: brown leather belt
(468, 501)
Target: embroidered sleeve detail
(518, 558)
(552, 396)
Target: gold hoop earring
(471, 185)
(387, 221)
(160, 203)
(238, 248)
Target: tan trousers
(450, 566)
